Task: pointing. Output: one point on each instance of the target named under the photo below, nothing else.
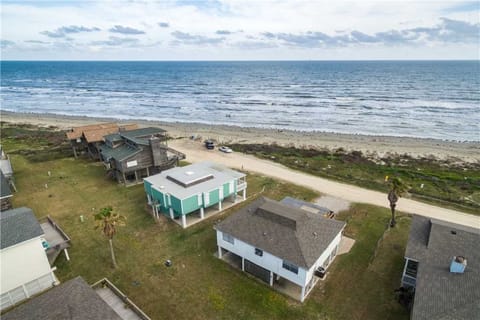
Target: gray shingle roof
(18, 225)
(440, 294)
(5, 191)
(291, 234)
(74, 300)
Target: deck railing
(57, 227)
(129, 303)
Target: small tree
(397, 189)
(107, 220)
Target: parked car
(225, 149)
(209, 144)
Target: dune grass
(360, 284)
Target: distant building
(75, 299)
(281, 245)
(25, 270)
(88, 139)
(5, 193)
(135, 154)
(442, 265)
(192, 189)
(6, 169)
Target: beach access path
(196, 152)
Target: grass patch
(435, 181)
(359, 286)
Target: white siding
(267, 261)
(22, 264)
(325, 255)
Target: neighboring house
(5, 193)
(188, 190)
(308, 206)
(135, 154)
(6, 168)
(25, 270)
(281, 245)
(88, 139)
(76, 300)
(442, 264)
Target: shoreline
(372, 146)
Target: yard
(360, 285)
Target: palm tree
(397, 189)
(108, 221)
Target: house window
(228, 238)
(258, 252)
(290, 267)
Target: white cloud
(298, 29)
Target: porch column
(244, 194)
(157, 215)
(220, 252)
(219, 205)
(75, 152)
(124, 179)
(184, 220)
(171, 213)
(148, 172)
(243, 264)
(202, 213)
(234, 198)
(271, 279)
(66, 254)
(302, 295)
(136, 176)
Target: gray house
(442, 266)
(135, 154)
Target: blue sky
(239, 30)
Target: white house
(25, 269)
(282, 245)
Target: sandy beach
(373, 146)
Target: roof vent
(264, 234)
(315, 234)
(189, 173)
(458, 265)
(453, 232)
(162, 187)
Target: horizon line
(231, 60)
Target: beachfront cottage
(283, 246)
(88, 139)
(25, 269)
(442, 266)
(187, 192)
(75, 299)
(135, 154)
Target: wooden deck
(119, 302)
(56, 238)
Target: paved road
(196, 152)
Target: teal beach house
(192, 193)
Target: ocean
(425, 99)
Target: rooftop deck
(119, 302)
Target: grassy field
(439, 182)
(360, 284)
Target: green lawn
(199, 286)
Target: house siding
(324, 256)
(267, 261)
(190, 204)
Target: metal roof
(291, 234)
(140, 136)
(74, 299)
(308, 206)
(119, 153)
(440, 294)
(18, 225)
(221, 175)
